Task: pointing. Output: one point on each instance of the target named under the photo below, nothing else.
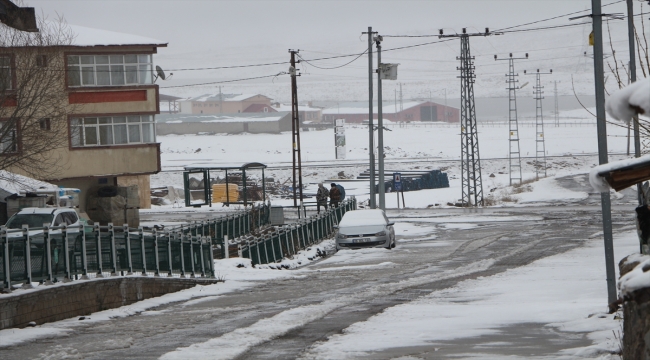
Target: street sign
(397, 181)
(339, 138)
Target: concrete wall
(195, 128)
(255, 127)
(222, 107)
(108, 161)
(144, 187)
(85, 297)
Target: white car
(365, 228)
(36, 217)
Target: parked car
(365, 228)
(36, 217)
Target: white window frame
(109, 70)
(94, 131)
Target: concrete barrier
(85, 297)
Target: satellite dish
(160, 72)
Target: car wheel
(393, 244)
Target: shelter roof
(211, 166)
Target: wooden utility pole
(295, 130)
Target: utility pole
(220, 101)
(371, 145)
(472, 183)
(401, 98)
(557, 107)
(635, 119)
(540, 144)
(446, 117)
(514, 155)
(380, 127)
(599, 78)
(295, 130)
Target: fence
(289, 239)
(64, 253)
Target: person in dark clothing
(321, 197)
(335, 195)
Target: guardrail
(289, 239)
(63, 253)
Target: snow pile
(638, 278)
(633, 99)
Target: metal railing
(64, 253)
(287, 240)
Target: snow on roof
(284, 107)
(14, 183)
(220, 118)
(386, 109)
(86, 36)
(598, 174)
(369, 217)
(629, 101)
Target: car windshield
(31, 220)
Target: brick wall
(85, 297)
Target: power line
(336, 67)
(226, 81)
(556, 17)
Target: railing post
(66, 254)
(111, 234)
(192, 274)
(84, 259)
(225, 248)
(143, 253)
(182, 255)
(49, 280)
(28, 259)
(98, 253)
(155, 249)
(169, 254)
(201, 242)
(129, 256)
(6, 262)
(212, 274)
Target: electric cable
(226, 81)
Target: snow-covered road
(502, 282)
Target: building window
(109, 70)
(5, 73)
(8, 138)
(41, 60)
(44, 123)
(112, 130)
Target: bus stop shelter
(203, 171)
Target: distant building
(409, 111)
(254, 123)
(169, 104)
(222, 103)
(305, 113)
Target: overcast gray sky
(219, 33)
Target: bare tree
(33, 101)
(621, 72)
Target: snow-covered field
(571, 148)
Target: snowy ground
(569, 147)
